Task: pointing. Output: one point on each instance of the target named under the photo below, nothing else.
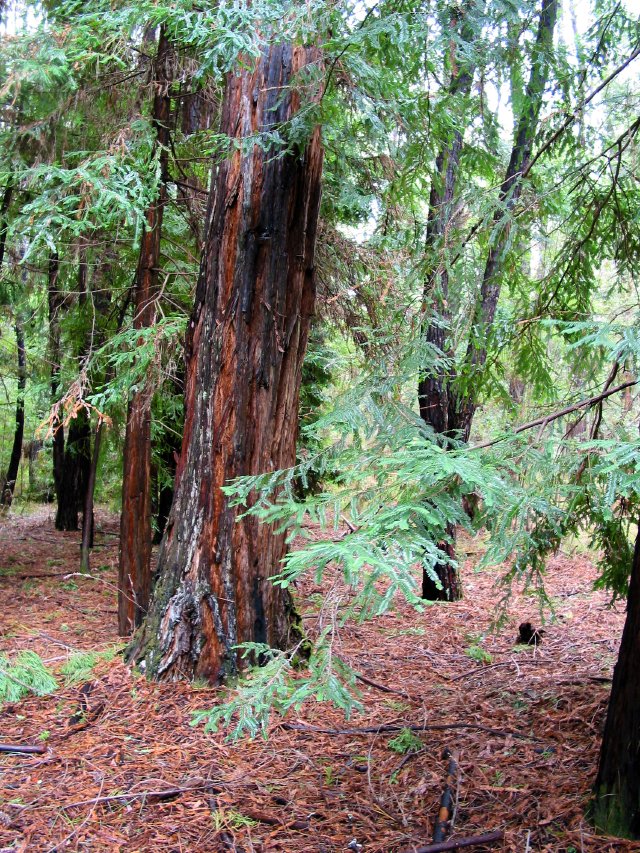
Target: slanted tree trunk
(616, 805)
(134, 575)
(245, 348)
(6, 493)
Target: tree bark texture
(245, 348)
(616, 806)
(55, 300)
(510, 192)
(87, 509)
(134, 575)
(76, 463)
(433, 393)
(4, 217)
(6, 493)
(435, 400)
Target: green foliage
(405, 741)
(26, 674)
(277, 686)
(79, 667)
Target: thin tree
(434, 398)
(447, 408)
(8, 486)
(134, 575)
(245, 346)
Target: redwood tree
(134, 577)
(616, 807)
(245, 346)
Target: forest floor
(526, 723)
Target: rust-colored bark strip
(245, 347)
(134, 576)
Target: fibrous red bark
(245, 347)
(134, 575)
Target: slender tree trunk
(55, 357)
(6, 493)
(134, 576)
(4, 217)
(245, 348)
(87, 510)
(434, 397)
(616, 806)
(510, 192)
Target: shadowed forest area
(319, 425)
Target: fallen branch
(396, 727)
(459, 843)
(22, 748)
(443, 824)
(156, 796)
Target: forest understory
(123, 769)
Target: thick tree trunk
(616, 806)
(245, 349)
(6, 493)
(134, 575)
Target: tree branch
(547, 419)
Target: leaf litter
(123, 769)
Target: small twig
(349, 524)
(382, 687)
(479, 669)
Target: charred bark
(134, 575)
(6, 493)
(245, 348)
(616, 805)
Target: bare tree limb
(547, 419)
